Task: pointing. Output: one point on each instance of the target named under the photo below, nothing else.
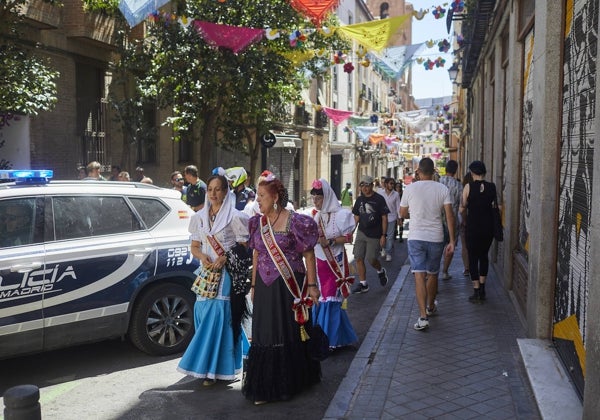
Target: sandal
(466, 273)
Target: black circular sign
(268, 140)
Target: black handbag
(497, 222)
(318, 343)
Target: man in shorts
(370, 213)
(425, 201)
(455, 188)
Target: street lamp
(453, 71)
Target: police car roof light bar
(27, 176)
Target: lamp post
(453, 71)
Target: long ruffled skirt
(329, 314)
(213, 353)
(279, 364)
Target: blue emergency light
(27, 176)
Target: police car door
(22, 275)
(101, 255)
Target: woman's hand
(314, 294)
(205, 260)
(220, 262)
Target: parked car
(83, 261)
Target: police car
(83, 261)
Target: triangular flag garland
(238, 38)
(337, 115)
(315, 10)
(374, 34)
(136, 11)
(234, 38)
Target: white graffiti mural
(526, 139)
(576, 161)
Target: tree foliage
(27, 82)
(216, 95)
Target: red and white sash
(302, 303)
(216, 245)
(343, 279)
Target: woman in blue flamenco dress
(336, 226)
(215, 352)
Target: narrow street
(113, 380)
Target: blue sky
(430, 83)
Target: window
(384, 10)
(21, 222)
(85, 216)
(185, 145)
(334, 82)
(147, 139)
(150, 210)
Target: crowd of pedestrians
(284, 271)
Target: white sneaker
(388, 257)
(421, 324)
(382, 253)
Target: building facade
(528, 89)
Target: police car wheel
(162, 321)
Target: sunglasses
(178, 179)
(364, 184)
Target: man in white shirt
(423, 202)
(392, 198)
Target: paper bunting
(234, 38)
(363, 132)
(298, 56)
(356, 121)
(136, 11)
(337, 115)
(374, 34)
(420, 14)
(376, 138)
(315, 10)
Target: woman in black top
(476, 210)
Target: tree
(214, 94)
(27, 82)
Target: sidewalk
(466, 365)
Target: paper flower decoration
(460, 40)
(458, 6)
(439, 12)
(348, 68)
(446, 107)
(439, 62)
(339, 58)
(317, 184)
(297, 38)
(444, 46)
(430, 43)
(365, 63)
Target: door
(23, 278)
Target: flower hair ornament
(218, 171)
(317, 184)
(270, 177)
